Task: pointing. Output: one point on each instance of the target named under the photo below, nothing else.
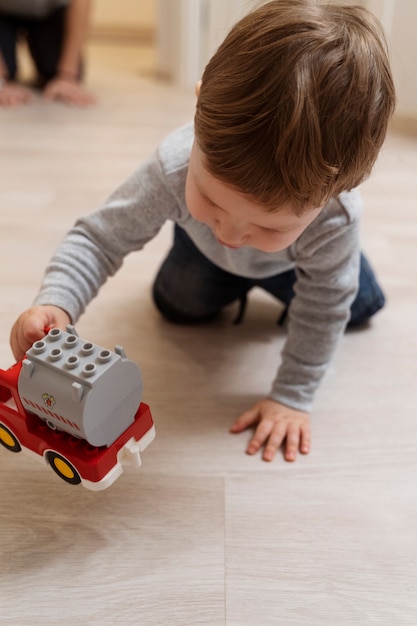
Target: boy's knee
(370, 298)
(174, 312)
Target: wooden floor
(203, 534)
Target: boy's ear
(197, 88)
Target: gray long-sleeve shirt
(325, 258)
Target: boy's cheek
(190, 196)
(192, 207)
(198, 212)
(275, 245)
(189, 202)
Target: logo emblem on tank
(49, 401)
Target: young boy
(291, 114)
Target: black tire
(8, 440)
(63, 468)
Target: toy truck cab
(77, 406)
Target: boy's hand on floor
(30, 327)
(277, 425)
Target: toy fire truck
(78, 406)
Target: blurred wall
(110, 17)
(188, 32)
(403, 36)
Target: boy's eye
(209, 201)
(269, 231)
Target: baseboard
(107, 33)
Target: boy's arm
(327, 275)
(96, 246)
(94, 249)
(327, 280)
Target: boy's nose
(231, 233)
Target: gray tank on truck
(79, 387)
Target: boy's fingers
(292, 444)
(244, 421)
(262, 433)
(305, 441)
(274, 442)
(33, 329)
(275, 428)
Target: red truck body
(73, 459)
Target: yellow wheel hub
(6, 438)
(63, 468)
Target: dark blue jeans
(190, 289)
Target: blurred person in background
(55, 32)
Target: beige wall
(399, 18)
(404, 58)
(129, 14)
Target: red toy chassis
(73, 459)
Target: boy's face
(235, 219)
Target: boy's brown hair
(294, 105)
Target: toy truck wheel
(8, 440)
(63, 468)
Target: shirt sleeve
(327, 270)
(95, 247)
